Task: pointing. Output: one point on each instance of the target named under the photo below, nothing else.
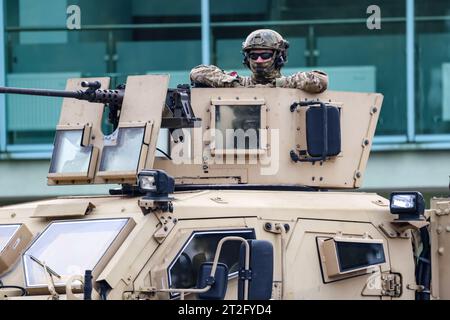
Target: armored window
(357, 255)
(346, 256)
(71, 247)
(201, 247)
(6, 233)
(238, 127)
(13, 240)
(70, 158)
(123, 151)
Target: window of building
(117, 38)
(433, 68)
(152, 36)
(324, 36)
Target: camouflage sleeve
(313, 81)
(212, 76)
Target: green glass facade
(433, 68)
(119, 38)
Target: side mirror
(323, 131)
(260, 275)
(218, 283)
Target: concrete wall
(22, 180)
(422, 170)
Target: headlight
(404, 201)
(156, 184)
(408, 205)
(147, 183)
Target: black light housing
(408, 205)
(156, 184)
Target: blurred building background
(408, 60)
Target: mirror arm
(213, 270)
(182, 292)
(281, 230)
(247, 258)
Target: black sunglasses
(263, 55)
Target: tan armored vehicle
(252, 201)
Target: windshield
(70, 248)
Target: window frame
(103, 260)
(263, 133)
(225, 232)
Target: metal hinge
(391, 285)
(245, 274)
(164, 212)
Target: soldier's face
(261, 62)
(261, 56)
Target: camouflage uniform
(263, 73)
(314, 81)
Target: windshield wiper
(43, 265)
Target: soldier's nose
(259, 60)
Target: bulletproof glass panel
(348, 255)
(69, 156)
(6, 234)
(70, 248)
(124, 150)
(219, 288)
(315, 131)
(238, 127)
(13, 240)
(201, 247)
(261, 266)
(354, 255)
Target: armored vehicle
(253, 200)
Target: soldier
(265, 53)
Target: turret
(264, 138)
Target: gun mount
(250, 136)
(177, 101)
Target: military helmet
(265, 39)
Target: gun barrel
(108, 96)
(40, 92)
(177, 101)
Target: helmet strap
(246, 62)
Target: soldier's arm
(212, 76)
(313, 81)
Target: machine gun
(178, 113)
